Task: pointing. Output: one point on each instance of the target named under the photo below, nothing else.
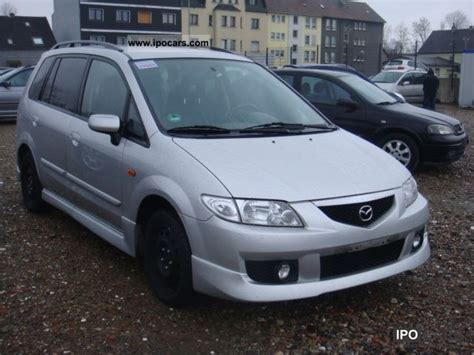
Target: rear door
(10, 95)
(326, 95)
(50, 112)
(94, 163)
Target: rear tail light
(401, 67)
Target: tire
(31, 187)
(403, 148)
(167, 258)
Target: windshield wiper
(199, 130)
(277, 126)
(387, 102)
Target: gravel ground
(63, 289)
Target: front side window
(227, 94)
(67, 83)
(322, 91)
(105, 91)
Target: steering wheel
(245, 107)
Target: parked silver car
(12, 84)
(409, 83)
(213, 171)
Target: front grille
(353, 262)
(351, 213)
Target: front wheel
(167, 258)
(403, 148)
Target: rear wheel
(31, 187)
(403, 148)
(167, 258)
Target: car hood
(431, 117)
(297, 167)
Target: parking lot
(62, 289)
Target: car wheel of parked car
(31, 187)
(403, 148)
(167, 258)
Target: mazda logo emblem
(366, 213)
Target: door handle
(34, 121)
(75, 138)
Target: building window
(295, 34)
(193, 20)
(97, 38)
(224, 21)
(363, 42)
(334, 25)
(144, 17)
(38, 41)
(122, 16)
(96, 14)
(10, 41)
(278, 18)
(232, 21)
(223, 43)
(327, 41)
(306, 40)
(306, 56)
(255, 46)
(310, 22)
(346, 37)
(333, 57)
(295, 20)
(252, 2)
(363, 26)
(210, 20)
(313, 56)
(255, 24)
(169, 19)
(122, 41)
(333, 41)
(27, 24)
(328, 24)
(326, 57)
(295, 48)
(232, 44)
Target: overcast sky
(393, 11)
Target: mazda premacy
(215, 173)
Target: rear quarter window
(38, 82)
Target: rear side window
(67, 83)
(105, 91)
(290, 79)
(38, 82)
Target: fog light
(416, 242)
(284, 271)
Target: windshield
(387, 77)
(9, 74)
(367, 90)
(220, 95)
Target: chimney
(12, 14)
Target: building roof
(441, 41)
(226, 7)
(436, 62)
(341, 9)
(17, 33)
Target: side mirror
(6, 84)
(405, 83)
(104, 123)
(351, 105)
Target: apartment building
(114, 20)
(231, 24)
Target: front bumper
(444, 150)
(220, 249)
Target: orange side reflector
(131, 172)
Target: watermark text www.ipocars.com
(144, 42)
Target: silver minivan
(215, 173)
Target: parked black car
(411, 134)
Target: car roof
(403, 71)
(144, 54)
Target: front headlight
(268, 213)
(410, 191)
(259, 212)
(439, 129)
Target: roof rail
(71, 44)
(217, 49)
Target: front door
(94, 162)
(327, 96)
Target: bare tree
(8, 8)
(401, 37)
(458, 19)
(421, 29)
(442, 25)
(387, 34)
